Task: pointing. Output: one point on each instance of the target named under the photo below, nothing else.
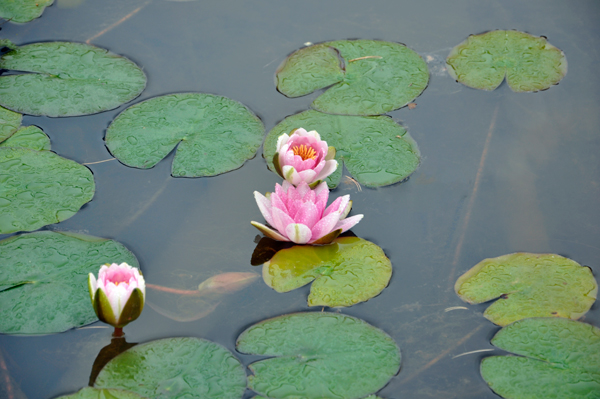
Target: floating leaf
(176, 368)
(529, 62)
(347, 271)
(67, 79)
(43, 280)
(31, 137)
(93, 393)
(529, 285)
(562, 360)
(319, 355)
(40, 188)
(23, 10)
(213, 134)
(375, 149)
(369, 77)
(9, 123)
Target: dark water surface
(501, 172)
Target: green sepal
(132, 309)
(330, 153)
(90, 288)
(328, 238)
(103, 309)
(276, 164)
(314, 184)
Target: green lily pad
(213, 134)
(347, 271)
(31, 137)
(529, 285)
(561, 360)
(369, 77)
(93, 393)
(9, 123)
(529, 62)
(23, 10)
(38, 188)
(43, 280)
(319, 355)
(67, 79)
(375, 149)
(176, 368)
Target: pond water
(501, 172)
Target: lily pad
(9, 123)
(529, 62)
(319, 355)
(43, 280)
(347, 271)
(213, 134)
(23, 10)
(560, 358)
(529, 285)
(31, 137)
(176, 368)
(67, 79)
(369, 77)
(93, 393)
(40, 188)
(376, 150)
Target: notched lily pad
(31, 137)
(559, 358)
(529, 62)
(347, 271)
(93, 393)
(176, 368)
(43, 280)
(376, 150)
(38, 188)
(67, 79)
(23, 10)
(213, 134)
(9, 123)
(319, 355)
(369, 77)
(529, 285)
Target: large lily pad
(93, 393)
(38, 188)
(43, 280)
(529, 285)
(529, 62)
(176, 368)
(375, 149)
(319, 355)
(9, 123)
(369, 77)
(67, 79)
(561, 360)
(31, 137)
(347, 271)
(213, 134)
(23, 10)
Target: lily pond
(466, 136)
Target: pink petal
(277, 203)
(348, 223)
(269, 232)
(298, 233)
(265, 207)
(302, 189)
(307, 176)
(324, 226)
(307, 164)
(281, 220)
(307, 215)
(281, 140)
(339, 205)
(329, 168)
(291, 174)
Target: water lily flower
(118, 294)
(304, 157)
(301, 215)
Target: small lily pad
(176, 368)
(40, 188)
(67, 79)
(559, 358)
(93, 393)
(213, 134)
(529, 62)
(23, 10)
(376, 150)
(369, 77)
(319, 355)
(31, 137)
(43, 280)
(347, 271)
(9, 123)
(529, 285)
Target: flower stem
(118, 332)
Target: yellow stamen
(305, 152)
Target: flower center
(305, 152)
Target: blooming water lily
(304, 157)
(118, 294)
(301, 215)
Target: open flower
(304, 157)
(118, 294)
(299, 214)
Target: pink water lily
(118, 294)
(304, 157)
(301, 215)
